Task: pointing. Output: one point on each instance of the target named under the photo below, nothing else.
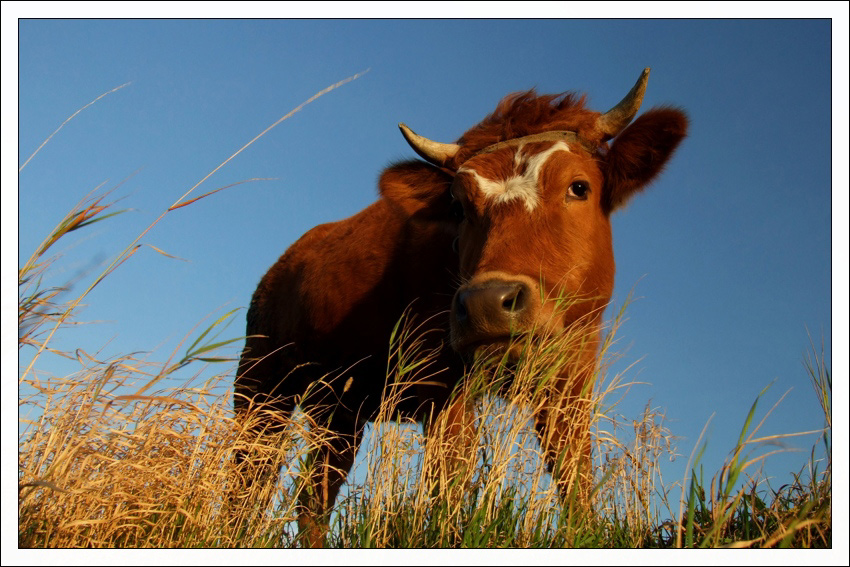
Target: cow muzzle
(491, 310)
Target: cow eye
(457, 210)
(578, 190)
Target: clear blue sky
(729, 253)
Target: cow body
(476, 241)
(332, 300)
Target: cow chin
(506, 344)
(503, 349)
(507, 347)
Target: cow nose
(492, 308)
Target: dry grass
(103, 469)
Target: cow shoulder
(420, 189)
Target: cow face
(535, 184)
(534, 243)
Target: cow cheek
(582, 275)
(470, 249)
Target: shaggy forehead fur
(526, 113)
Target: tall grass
(110, 457)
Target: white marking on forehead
(525, 186)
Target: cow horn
(434, 152)
(615, 120)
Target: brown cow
(516, 211)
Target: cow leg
(331, 463)
(450, 432)
(263, 414)
(258, 461)
(252, 484)
(564, 432)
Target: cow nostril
(492, 307)
(515, 301)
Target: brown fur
(333, 298)
(525, 113)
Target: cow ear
(639, 153)
(416, 186)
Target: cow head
(534, 187)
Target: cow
(471, 240)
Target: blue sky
(729, 255)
